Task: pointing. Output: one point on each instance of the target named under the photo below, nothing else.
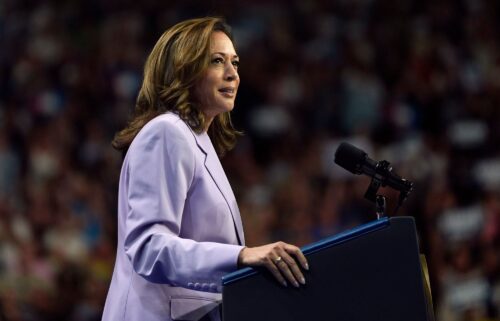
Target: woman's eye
(236, 64)
(217, 60)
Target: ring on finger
(278, 260)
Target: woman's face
(217, 88)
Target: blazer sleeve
(161, 167)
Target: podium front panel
(371, 273)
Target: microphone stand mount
(382, 171)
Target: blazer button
(197, 286)
(190, 285)
(213, 287)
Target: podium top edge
(317, 246)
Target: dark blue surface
(317, 246)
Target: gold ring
(278, 260)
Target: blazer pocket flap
(191, 308)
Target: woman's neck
(208, 122)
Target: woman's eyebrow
(225, 54)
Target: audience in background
(413, 82)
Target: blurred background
(414, 82)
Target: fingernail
(302, 280)
(296, 284)
(284, 283)
(307, 266)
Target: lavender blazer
(179, 227)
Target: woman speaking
(179, 227)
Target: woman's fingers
(291, 269)
(271, 266)
(286, 261)
(281, 264)
(285, 269)
(295, 251)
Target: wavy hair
(177, 61)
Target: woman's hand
(280, 258)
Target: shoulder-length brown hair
(177, 61)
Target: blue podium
(370, 273)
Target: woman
(179, 227)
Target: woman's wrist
(240, 258)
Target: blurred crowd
(414, 82)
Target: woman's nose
(231, 72)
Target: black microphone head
(350, 157)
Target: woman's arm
(161, 167)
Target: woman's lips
(228, 92)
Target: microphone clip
(383, 170)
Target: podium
(370, 273)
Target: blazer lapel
(214, 167)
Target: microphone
(357, 162)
